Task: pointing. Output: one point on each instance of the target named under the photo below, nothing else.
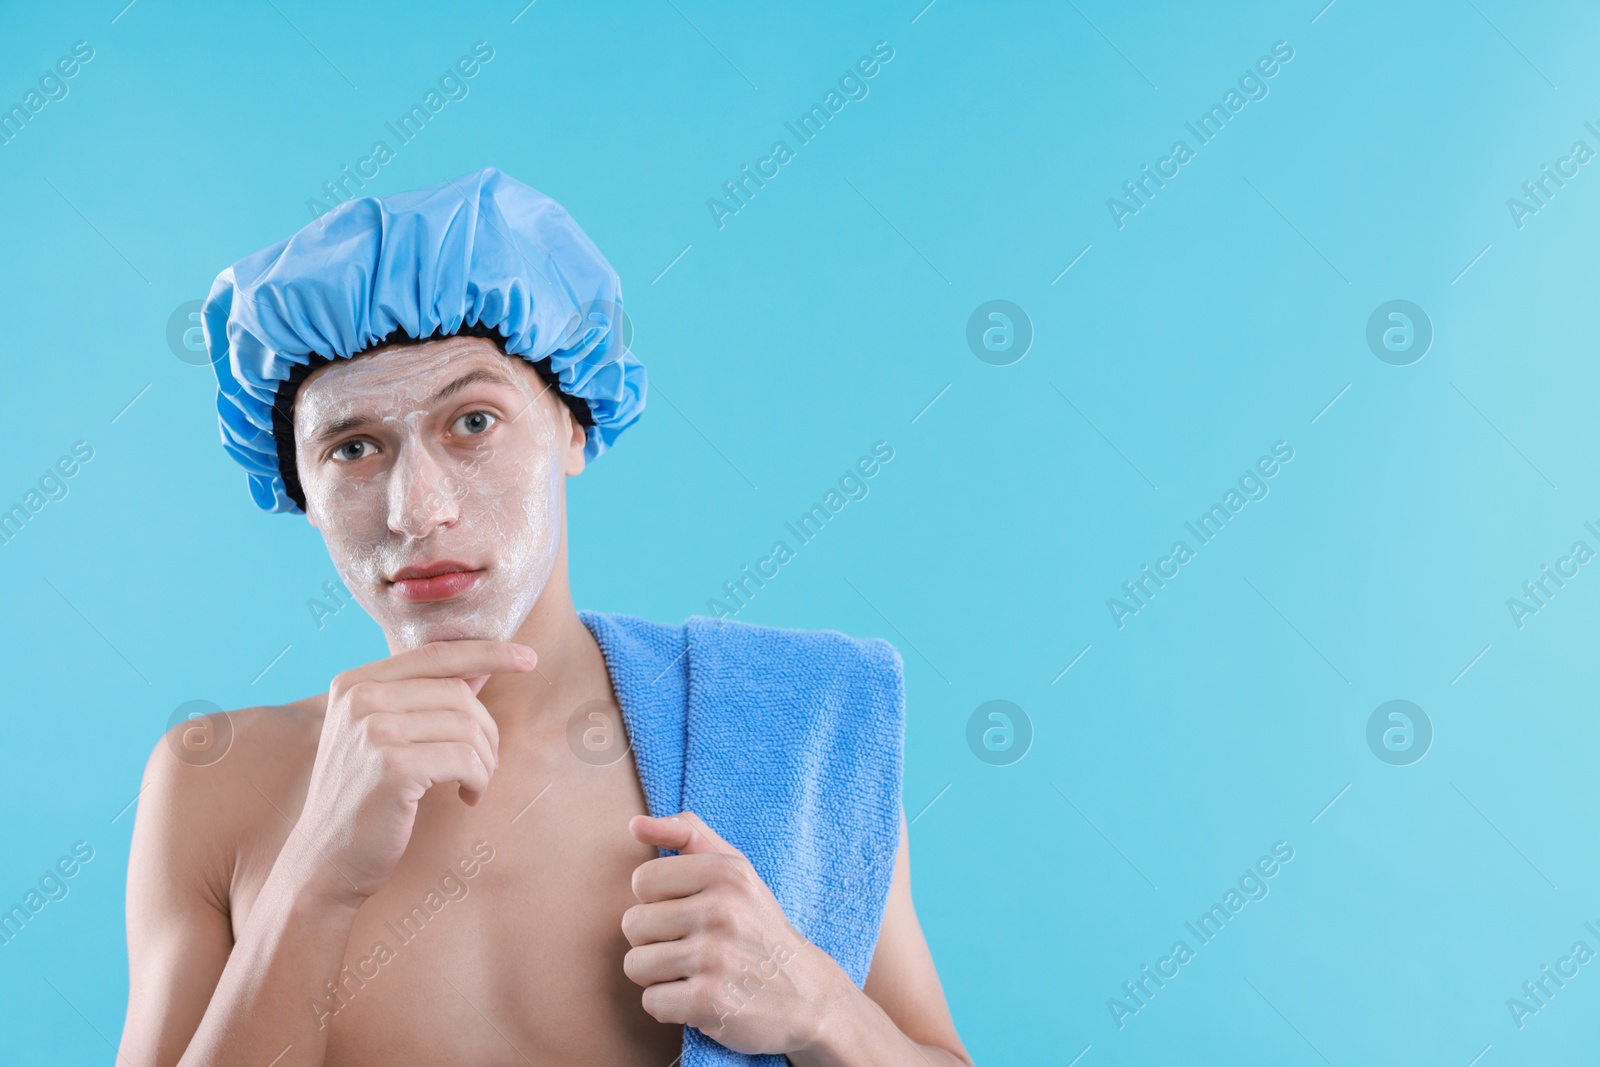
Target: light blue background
(1224, 317)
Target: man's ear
(577, 437)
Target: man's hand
(713, 949)
(393, 730)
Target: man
(456, 854)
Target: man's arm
(901, 1016)
(713, 949)
(392, 730)
(189, 986)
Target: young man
(530, 834)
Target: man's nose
(420, 493)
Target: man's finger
(685, 832)
(424, 727)
(419, 695)
(671, 877)
(670, 1002)
(652, 964)
(666, 920)
(451, 659)
(437, 762)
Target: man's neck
(570, 671)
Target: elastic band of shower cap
(482, 254)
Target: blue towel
(788, 744)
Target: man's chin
(484, 614)
(416, 632)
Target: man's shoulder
(245, 735)
(810, 664)
(737, 631)
(825, 650)
(209, 768)
(216, 792)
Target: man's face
(435, 474)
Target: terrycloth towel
(788, 744)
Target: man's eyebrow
(472, 377)
(341, 426)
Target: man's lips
(435, 581)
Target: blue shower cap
(482, 250)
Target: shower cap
(481, 250)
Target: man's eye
(474, 422)
(350, 451)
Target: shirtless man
(430, 802)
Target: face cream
(434, 472)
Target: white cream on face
(413, 478)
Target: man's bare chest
(498, 938)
